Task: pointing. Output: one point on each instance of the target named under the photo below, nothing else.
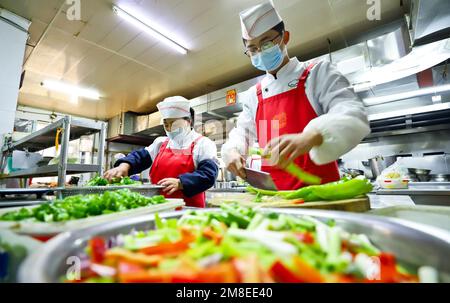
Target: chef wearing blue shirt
(184, 162)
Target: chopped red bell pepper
(185, 276)
(305, 237)
(98, 249)
(283, 274)
(388, 271)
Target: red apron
(172, 163)
(289, 113)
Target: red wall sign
(231, 97)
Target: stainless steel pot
(379, 163)
(439, 178)
(422, 174)
(353, 172)
(419, 171)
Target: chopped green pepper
(78, 207)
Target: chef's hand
(117, 172)
(236, 164)
(285, 149)
(171, 185)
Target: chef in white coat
(184, 162)
(298, 112)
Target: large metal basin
(412, 243)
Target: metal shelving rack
(72, 129)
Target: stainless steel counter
(420, 188)
(426, 193)
(227, 190)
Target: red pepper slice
(98, 248)
(305, 237)
(185, 277)
(283, 274)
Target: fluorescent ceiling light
(149, 29)
(407, 95)
(72, 90)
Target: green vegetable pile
(83, 206)
(99, 181)
(236, 244)
(340, 190)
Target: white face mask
(179, 130)
(177, 133)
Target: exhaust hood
(379, 58)
(419, 59)
(430, 20)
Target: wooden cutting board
(361, 204)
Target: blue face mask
(269, 59)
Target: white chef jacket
(204, 149)
(341, 120)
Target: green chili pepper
(265, 192)
(301, 193)
(302, 175)
(292, 169)
(342, 190)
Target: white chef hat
(174, 107)
(259, 19)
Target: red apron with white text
(172, 163)
(289, 113)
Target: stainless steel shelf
(420, 188)
(52, 170)
(45, 138)
(71, 129)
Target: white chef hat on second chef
(258, 19)
(174, 107)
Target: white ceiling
(133, 71)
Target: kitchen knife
(259, 179)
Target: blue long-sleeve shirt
(201, 179)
